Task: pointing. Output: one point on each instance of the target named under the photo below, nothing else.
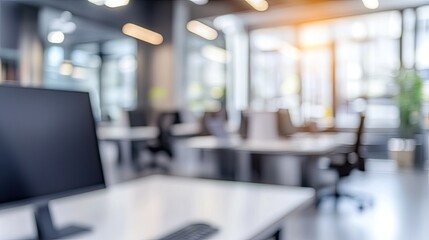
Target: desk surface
(152, 207)
(127, 133)
(186, 129)
(299, 144)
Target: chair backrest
(138, 118)
(214, 123)
(263, 126)
(244, 124)
(359, 134)
(166, 119)
(285, 124)
(164, 122)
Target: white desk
(123, 136)
(127, 133)
(309, 147)
(152, 207)
(186, 129)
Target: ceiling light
(116, 3)
(258, 5)
(200, 2)
(371, 4)
(97, 2)
(110, 3)
(56, 37)
(142, 33)
(201, 30)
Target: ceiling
(222, 7)
(105, 23)
(289, 12)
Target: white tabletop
(299, 144)
(152, 207)
(185, 129)
(127, 133)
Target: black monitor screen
(48, 144)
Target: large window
(274, 71)
(367, 58)
(330, 70)
(206, 74)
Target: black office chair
(353, 157)
(164, 141)
(137, 118)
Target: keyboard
(196, 231)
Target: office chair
(244, 124)
(164, 141)
(212, 117)
(353, 158)
(137, 118)
(285, 124)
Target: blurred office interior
(243, 91)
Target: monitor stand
(46, 228)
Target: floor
(400, 210)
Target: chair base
(362, 202)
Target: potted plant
(409, 100)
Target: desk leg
(243, 165)
(119, 155)
(310, 171)
(226, 164)
(125, 152)
(256, 168)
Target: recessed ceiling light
(97, 2)
(110, 3)
(371, 4)
(116, 3)
(56, 37)
(200, 2)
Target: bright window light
(56, 37)
(142, 34)
(258, 5)
(201, 30)
(371, 4)
(215, 54)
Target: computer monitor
(48, 149)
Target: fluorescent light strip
(142, 34)
(202, 30)
(371, 4)
(258, 5)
